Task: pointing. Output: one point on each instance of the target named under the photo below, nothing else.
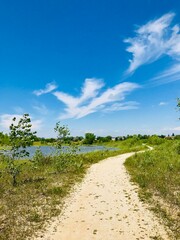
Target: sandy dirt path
(105, 206)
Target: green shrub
(157, 172)
(38, 156)
(177, 147)
(56, 191)
(155, 140)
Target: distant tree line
(88, 139)
(4, 139)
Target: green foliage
(56, 191)
(13, 169)
(40, 192)
(66, 158)
(104, 139)
(133, 141)
(159, 169)
(34, 217)
(61, 162)
(65, 162)
(20, 137)
(158, 174)
(4, 139)
(178, 103)
(176, 147)
(177, 137)
(89, 138)
(155, 140)
(62, 134)
(38, 157)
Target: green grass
(41, 189)
(157, 172)
(131, 144)
(4, 147)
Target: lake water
(49, 150)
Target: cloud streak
(49, 88)
(6, 120)
(176, 129)
(93, 99)
(41, 109)
(122, 106)
(163, 103)
(170, 75)
(156, 39)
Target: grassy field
(42, 186)
(157, 172)
(44, 183)
(131, 143)
(4, 147)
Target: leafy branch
(20, 137)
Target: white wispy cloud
(176, 129)
(93, 99)
(6, 120)
(49, 88)
(154, 40)
(89, 90)
(170, 75)
(41, 108)
(122, 106)
(37, 124)
(163, 103)
(19, 110)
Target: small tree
(89, 138)
(65, 160)
(20, 137)
(62, 133)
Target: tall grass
(131, 144)
(41, 187)
(158, 174)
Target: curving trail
(105, 206)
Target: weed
(158, 174)
(34, 217)
(41, 188)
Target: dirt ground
(105, 206)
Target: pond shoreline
(52, 151)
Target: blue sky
(109, 67)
